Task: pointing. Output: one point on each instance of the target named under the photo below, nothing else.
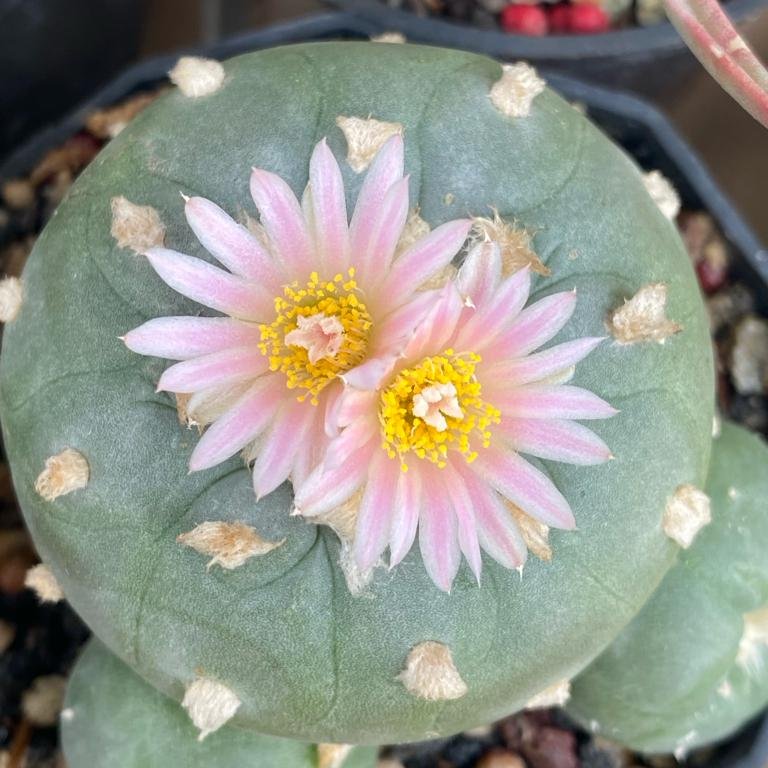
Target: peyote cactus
(396, 394)
(113, 719)
(691, 666)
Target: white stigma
(320, 335)
(436, 402)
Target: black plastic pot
(54, 53)
(647, 60)
(644, 132)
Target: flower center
(320, 330)
(434, 407)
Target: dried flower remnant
(431, 674)
(513, 93)
(229, 545)
(137, 227)
(643, 317)
(44, 584)
(318, 299)
(11, 297)
(464, 394)
(535, 533)
(753, 646)
(365, 137)
(686, 513)
(662, 193)
(196, 76)
(64, 473)
(515, 244)
(209, 704)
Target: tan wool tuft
(209, 704)
(513, 93)
(41, 703)
(365, 138)
(44, 584)
(662, 193)
(686, 513)
(754, 640)
(182, 409)
(431, 674)
(196, 76)
(332, 755)
(342, 519)
(11, 296)
(555, 695)
(398, 38)
(137, 227)
(514, 243)
(535, 534)
(415, 228)
(65, 472)
(356, 579)
(385, 763)
(643, 317)
(228, 544)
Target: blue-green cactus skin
(675, 678)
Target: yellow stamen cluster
(333, 298)
(403, 432)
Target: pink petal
(375, 256)
(311, 451)
(438, 539)
(283, 222)
(329, 209)
(179, 338)
(211, 286)
(352, 404)
(536, 325)
(496, 528)
(480, 273)
(280, 445)
(376, 509)
(465, 518)
(557, 401)
(370, 374)
(438, 326)
(325, 489)
(217, 369)
(352, 438)
(524, 485)
(541, 365)
(424, 259)
(385, 170)
(232, 244)
(556, 440)
(399, 325)
(241, 424)
(496, 314)
(405, 516)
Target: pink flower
(312, 299)
(431, 438)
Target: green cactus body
(691, 666)
(306, 658)
(113, 719)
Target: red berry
(560, 17)
(587, 18)
(711, 275)
(524, 19)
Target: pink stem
(723, 52)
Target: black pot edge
(639, 41)
(333, 25)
